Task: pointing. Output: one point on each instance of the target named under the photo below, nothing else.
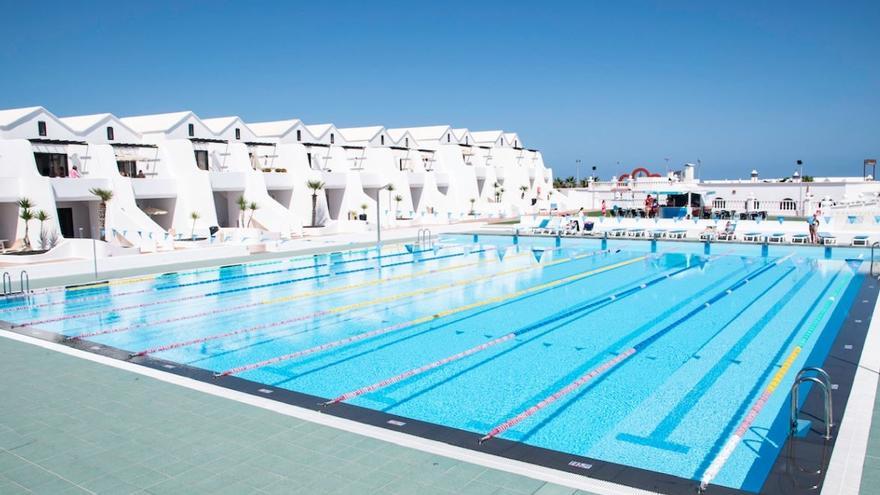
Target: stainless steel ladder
(425, 237)
(7, 284)
(24, 284)
(824, 381)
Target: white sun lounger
(676, 234)
(752, 237)
(800, 238)
(860, 240)
(827, 239)
(776, 237)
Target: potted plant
(267, 169)
(105, 195)
(352, 215)
(315, 186)
(363, 216)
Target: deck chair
(860, 240)
(776, 238)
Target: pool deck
(68, 425)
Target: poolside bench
(860, 240)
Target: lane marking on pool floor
(619, 358)
(427, 318)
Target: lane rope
(504, 338)
(344, 308)
(432, 317)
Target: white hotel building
(163, 168)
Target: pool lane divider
(730, 445)
(432, 317)
(344, 308)
(215, 293)
(625, 354)
(504, 338)
(294, 297)
(161, 288)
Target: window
(237, 133)
(516, 143)
(406, 142)
(719, 203)
(332, 138)
(201, 159)
(787, 204)
(309, 155)
(191, 129)
(127, 168)
(110, 135)
(466, 140)
(41, 127)
(299, 135)
(449, 138)
(51, 164)
(382, 139)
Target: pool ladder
(24, 284)
(425, 237)
(822, 379)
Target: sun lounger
(618, 232)
(676, 234)
(860, 240)
(776, 238)
(635, 233)
(753, 237)
(541, 225)
(658, 233)
(708, 235)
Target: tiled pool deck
(68, 425)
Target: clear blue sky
(735, 84)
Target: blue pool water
(708, 331)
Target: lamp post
(577, 172)
(800, 165)
(379, 216)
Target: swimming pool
(673, 358)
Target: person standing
(814, 229)
(604, 210)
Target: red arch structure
(637, 172)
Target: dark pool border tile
(841, 365)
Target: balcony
(70, 189)
(228, 181)
(442, 178)
(278, 180)
(334, 180)
(480, 172)
(372, 180)
(9, 189)
(416, 179)
(154, 188)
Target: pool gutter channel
(841, 363)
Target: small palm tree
(472, 200)
(195, 216)
(253, 206)
(27, 215)
(523, 189)
(242, 206)
(315, 186)
(390, 187)
(397, 199)
(42, 216)
(105, 195)
(364, 208)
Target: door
(65, 218)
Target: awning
(154, 211)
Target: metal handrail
(24, 282)
(874, 245)
(424, 236)
(826, 389)
(7, 284)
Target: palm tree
(253, 206)
(397, 199)
(242, 206)
(195, 216)
(315, 186)
(472, 200)
(523, 189)
(42, 216)
(105, 195)
(27, 215)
